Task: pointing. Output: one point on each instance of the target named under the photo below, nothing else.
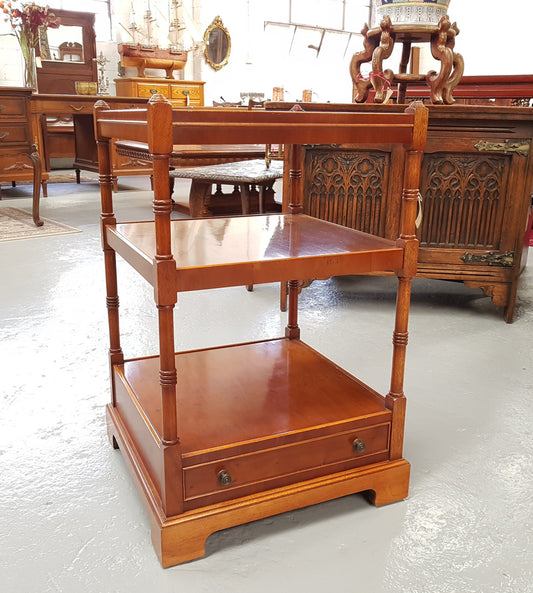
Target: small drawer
(14, 133)
(276, 462)
(12, 107)
(181, 93)
(147, 90)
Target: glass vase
(30, 70)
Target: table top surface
(236, 172)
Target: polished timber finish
(220, 436)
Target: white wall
(260, 58)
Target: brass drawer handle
(223, 477)
(4, 135)
(358, 446)
(74, 108)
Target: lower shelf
(253, 419)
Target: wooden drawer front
(12, 107)
(15, 167)
(147, 90)
(179, 95)
(14, 133)
(319, 453)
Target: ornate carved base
(378, 46)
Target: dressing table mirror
(67, 53)
(217, 44)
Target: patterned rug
(62, 177)
(18, 224)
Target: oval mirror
(217, 44)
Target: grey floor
(72, 521)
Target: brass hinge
(521, 147)
(505, 260)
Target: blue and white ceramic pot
(415, 12)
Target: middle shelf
(242, 250)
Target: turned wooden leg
(199, 197)
(245, 197)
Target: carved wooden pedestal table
(243, 175)
(378, 46)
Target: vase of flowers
(26, 21)
(412, 12)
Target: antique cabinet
(19, 157)
(180, 93)
(475, 193)
(221, 436)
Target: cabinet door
(352, 187)
(471, 203)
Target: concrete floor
(72, 521)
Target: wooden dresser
(179, 92)
(19, 157)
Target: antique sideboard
(477, 176)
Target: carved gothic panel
(462, 198)
(346, 187)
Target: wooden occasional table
(244, 175)
(378, 46)
(193, 155)
(218, 436)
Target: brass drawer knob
(358, 446)
(223, 477)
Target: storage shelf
(292, 389)
(217, 252)
(219, 436)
